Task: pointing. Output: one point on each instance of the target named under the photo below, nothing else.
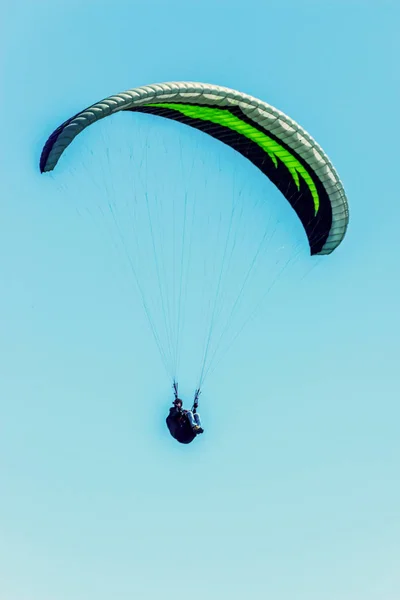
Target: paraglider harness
(183, 418)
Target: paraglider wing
(272, 141)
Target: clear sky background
(293, 491)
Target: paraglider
(184, 425)
(280, 148)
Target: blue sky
(293, 492)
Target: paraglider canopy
(272, 141)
